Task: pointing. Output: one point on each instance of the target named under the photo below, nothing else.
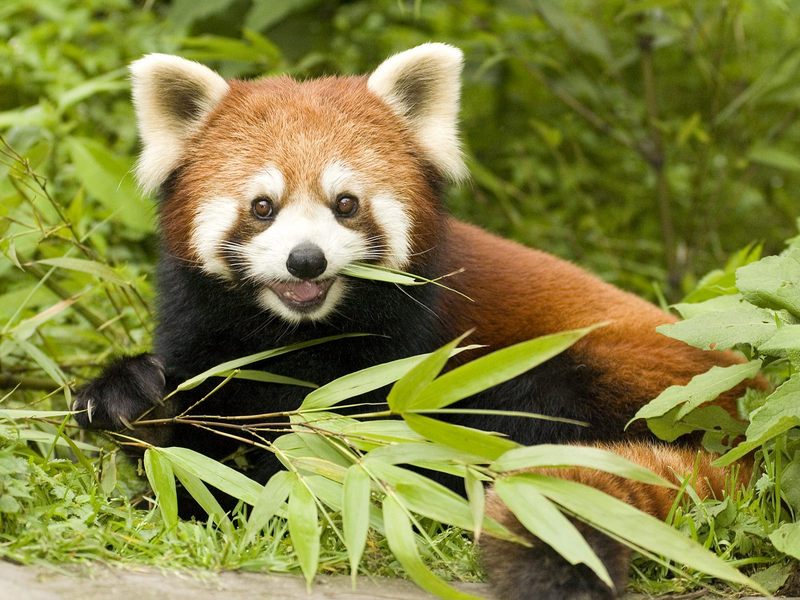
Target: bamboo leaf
(459, 437)
(640, 529)
(270, 499)
(162, 480)
(91, 267)
(304, 530)
(545, 521)
(552, 455)
(222, 477)
(405, 392)
(198, 490)
(265, 377)
(355, 514)
(230, 365)
(476, 495)
(403, 545)
(495, 368)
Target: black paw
(127, 389)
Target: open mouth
(302, 296)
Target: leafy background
(647, 140)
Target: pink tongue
(304, 291)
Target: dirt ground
(104, 583)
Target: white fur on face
(391, 216)
(389, 213)
(303, 221)
(212, 224)
(269, 182)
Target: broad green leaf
(728, 302)
(213, 472)
(402, 543)
(723, 329)
(723, 281)
(545, 521)
(701, 389)
(162, 480)
(355, 514)
(787, 539)
(91, 267)
(494, 368)
(785, 340)
(406, 390)
(710, 418)
(461, 438)
(773, 282)
(640, 529)
(304, 530)
(779, 413)
(108, 178)
(198, 490)
(270, 499)
(551, 455)
(230, 365)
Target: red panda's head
(282, 183)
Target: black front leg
(127, 389)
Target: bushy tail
(538, 572)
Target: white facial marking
(269, 182)
(391, 216)
(337, 178)
(212, 223)
(301, 221)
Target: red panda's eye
(262, 208)
(346, 205)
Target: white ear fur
(172, 96)
(423, 85)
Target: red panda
(269, 188)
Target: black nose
(306, 261)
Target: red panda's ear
(423, 86)
(172, 96)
